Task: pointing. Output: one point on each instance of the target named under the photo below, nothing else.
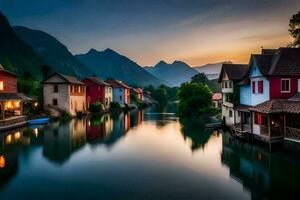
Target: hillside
(110, 64)
(53, 52)
(15, 54)
(173, 74)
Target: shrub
(96, 107)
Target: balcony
(292, 133)
(227, 90)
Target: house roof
(235, 72)
(137, 90)
(217, 96)
(98, 81)
(286, 62)
(69, 79)
(11, 96)
(7, 72)
(278, 106)
(116, 83)
(269, 51)
(263, 62)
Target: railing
(292, 133)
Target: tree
(160, 95)
(46, 69)
(200, 78)
(295, 29)
(194, 99)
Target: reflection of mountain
(266, 175)
(61, 140)
(194, 130)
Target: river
(140, 155)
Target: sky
(147, 31)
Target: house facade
(138, 92)
(64, 93)
(217, 100)
(11, 103)
(230, 75)
(269, 97)
(98, 90)
(121, 92)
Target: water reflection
(149, 150)
(266, 175)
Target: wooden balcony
(292, 133)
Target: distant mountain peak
(110, 51)
(176, 62)
(161, 63)
(92, 51)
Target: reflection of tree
(266, 175)
(194, 129)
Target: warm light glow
(36, 104)
(17, 135)
(8, 139)
(1, 85)
(9, 104)
(36, 132)
(17, 104)
(2, 162)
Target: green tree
(295, 29)
(194, 99)
(160, 95)
(199, 78)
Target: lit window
(285, 85)
(1, 85)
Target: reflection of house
(64, 93)
(217, 100)
(61, 140)
(98, 129)
(229, 76)
(98, 90)
(266, 175)
(11, 103)
(121, 92)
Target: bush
(115, 107)
(96, 107)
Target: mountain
(110, 64)
(212, 71)
(15, 54)
(53, 52)
(174, 74)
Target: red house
(138, 92)
(11, 103)
(97, 90)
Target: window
(226, 84)
(120, 98)
(230, 113)
(260, 119)
(54, 102)
(260, 87)
(1, 85)
(55, 88)
(298, 85)
(79, 89)
(253, 87)
(285, 85)
(230, 84)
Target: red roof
(217, 96)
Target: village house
(230, 75)
(217, 100)
(138, 92)
(64, 93)
(11, 103)
(98, 90)
(121, 92)
(269, 96)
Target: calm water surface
(140, 155)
